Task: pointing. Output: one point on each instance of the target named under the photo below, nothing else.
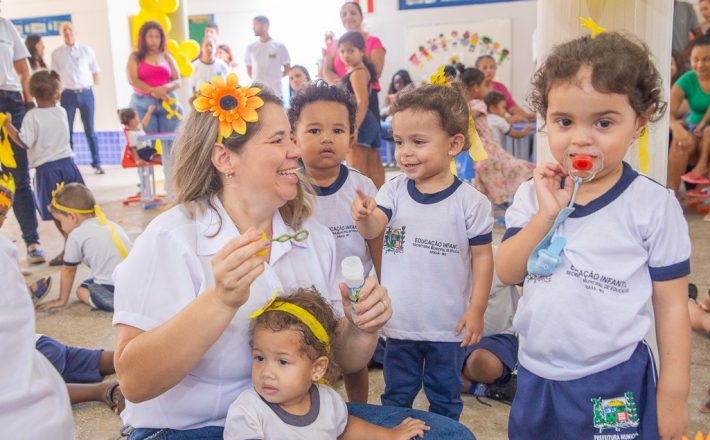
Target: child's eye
(313, 131)
(604, 123)
(564, 122)
(258, 358)
(338, 131)
(398, 142)
(419, 142)
(283, 362)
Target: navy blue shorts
(47, 177)
(503, 346)
(75, 365)
(368, 134)
(147, 153)
(100, 295)
(618, 401)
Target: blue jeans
(24, 203)
(206, 433)
(390, 416)
(84, 101)
(436, 365)
(159, 123)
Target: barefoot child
(142, 151)
(91, 239)
(585, 369)
(291, 354)
(437, 261)
(323, 121)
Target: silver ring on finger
(384, 303)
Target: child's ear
(353, 140)
(456, 143)
(641, 123)
(320, 366)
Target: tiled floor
(77, 325)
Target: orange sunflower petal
(239, 126)
(232, 80)
(249, 114)
(252, 91)
(202, 104)
(206, 89)
(218, 82)
(225, 129)
(255, 102)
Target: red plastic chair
(147, 196)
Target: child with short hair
(499, 176)
(323, 120)
(291, 356)
(437, 261)
(91, 239)
(142, 151)
(585, 369)
(500, 127)
(45, 134)
(208, 65)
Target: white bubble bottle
(354, 277)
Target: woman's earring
(228, 177)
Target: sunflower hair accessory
(299, 312)
(439, 78)
(100, 216)
(231, 104)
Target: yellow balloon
(169, 6)
(190, 48)
(159, 17)
(183, 64)
(150, 5)
(172, 46)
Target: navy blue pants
(74, 364)
(24, 203)
(84, 101)
(437, 365)
(618, 401)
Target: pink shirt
(154, 76)
(509, 101)
(371, 43)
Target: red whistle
(582, 162)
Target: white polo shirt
(499, 127)
(91, 243)
(590, 314)
(205, 72)
(426, 256)
(45, 131)
(11, 49)
(170, 265)
(76, 66)
(34, 403)
(502, 304)
(251, 417)
(333, 211)
(267, 61)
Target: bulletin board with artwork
(429, 47)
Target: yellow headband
(100, 216)
(231, 104)
(299, 312)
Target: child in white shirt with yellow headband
(91, 239)
(291, 356)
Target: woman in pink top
(487, 64)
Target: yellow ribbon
(7, 156)
(158, 147)
(299, 312)
(476, 150)
(644, 155)
(100, 216)
(590, 24)
(172, 111)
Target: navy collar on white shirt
(335, 186)
(628, 175)
(429, 199)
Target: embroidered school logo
(617, 413)
(394, 240)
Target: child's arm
(67, 275)
(512, 257)
(359, 429)
(517, 134)
(370, 221)
(472, 319)
(375, 247)
(359, 79)
(146, 117)
(670, 308)
(12, 131)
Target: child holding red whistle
(585, 369)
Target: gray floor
(77, 325)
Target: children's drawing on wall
(428, 47)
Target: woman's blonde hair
(195, 178)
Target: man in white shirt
(78, 70)
(267, 60)
(15, 98)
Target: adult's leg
(24, 202)
(69, 100)
(374, 166)
(390, 416)
(357, 158)
(167, 124)
(701, 167)
(442, 378)
(206, 433)
(403, 371)
(678, 159)
(86, 110)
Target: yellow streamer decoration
(158, 147)
(171, 107)
(7, 156)
(100, 216)
(590, 24)
(476, 150)
(644, 155)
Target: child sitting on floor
(142, 151)
(291, 355)
(91, 239)
(500, 127)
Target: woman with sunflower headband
(184, 295)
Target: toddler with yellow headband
(91, 239)
(291, 353)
